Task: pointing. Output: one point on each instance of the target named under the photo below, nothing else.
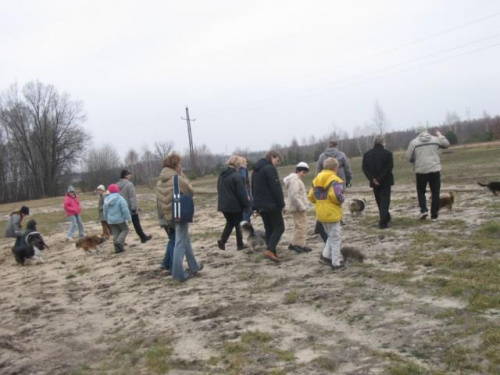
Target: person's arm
(310, 195)
(409, 152)
(132, 195)
(185, 186)
(16, 223)
(366, 169)
(241, 191)
(348, 171)
(442, 140)
(338, 191)
(275, 186)
(389, 165)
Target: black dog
(493, 186)
(34, 244)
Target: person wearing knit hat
(14, 226)
(297, 204)
(423, 152)
(101, 190)
(73, 210)
(117, 214)
(127, 191)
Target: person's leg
(278, 226)
(321, 231)
(421, 185)
(435, 186)
(72, 227)
(266, 219)
(327, 252)
(105, 229)
(237, 217)
(115, 230)
(332, 246)
(169, 249)
(193, 265)
(137, 226)
(181, 238)
(300, 228)
(81, 231)
(123, 233)
(385, 201)
(228, 228)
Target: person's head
(274, 157)
(101, 189)
(24, 211)
(420, 129)
(172, 161)
(113, 188)
(234, 161)
(301, 169)
(331, 164)
(243, 161)
(126, 174)
(379, 140)
(333, 143)
(71, 191)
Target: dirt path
(93, 314)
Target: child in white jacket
(297, 204)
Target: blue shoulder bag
(182, 205)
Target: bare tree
(379, 123)
(101, 166)
(163, 148)
(204, 159)
(44, 132)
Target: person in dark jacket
(268, 200)
(232, 201)
(377, 167)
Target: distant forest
(44, 146)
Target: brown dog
(88, 243)
(352, 253)
(446, 201)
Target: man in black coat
(232, 201)
(377, 167)
(268, 200)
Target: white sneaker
(423, 216)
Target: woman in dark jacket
(232, 201)
(268, 200)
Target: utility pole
(191, 148)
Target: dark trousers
(274, 226)
(320, 229)
(434, 180)
(233, 220)
(383, 199)
(169, 251)
(137, 226)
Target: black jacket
(378, 164)
(232, 191)
(266, 187)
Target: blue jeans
(183, 247)
(169, 251)
(75, 220)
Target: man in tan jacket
(297, 203)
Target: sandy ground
(74, 310)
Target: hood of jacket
(325, 178)
(166, 174)
(261, 164)
(424, 137)
(111, 199)
(228, 171)
(122, 183)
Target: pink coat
(71, 205)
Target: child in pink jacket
(72, 207)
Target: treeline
(44, 147)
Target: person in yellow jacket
(327, 195)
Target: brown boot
(270, 255)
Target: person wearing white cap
(297, 204)
(101, 190)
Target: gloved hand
(348, 184)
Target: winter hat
(101, 187)
(25, 210)
(113, 188)
(125, 173)
(302, 165)
(71, 189)
(420, 129)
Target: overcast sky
(254, 73)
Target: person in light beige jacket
(297, 204)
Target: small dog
(88, 243)
(357, 206)
(256, 239)
(34, 245)
(493, 186)
(352, 253)
(446, 201)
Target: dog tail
(484, 185)
(245, 225)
